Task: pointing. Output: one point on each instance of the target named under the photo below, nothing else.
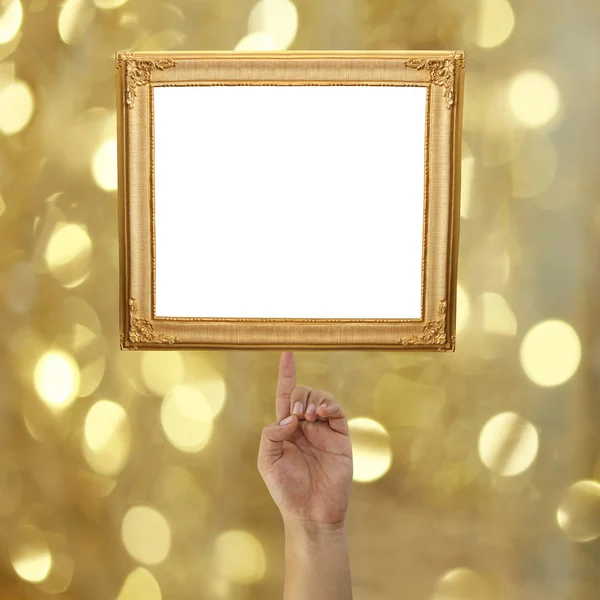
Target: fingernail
(311, 409)
(286, 420)
(323, 406)
(297, 408)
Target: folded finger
(315, 399)
(335, 414)
(298, 399)
(271, 441)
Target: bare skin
(305, 459)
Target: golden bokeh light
(503, 136)
(256, 42)
(463, 308)
(81, 336)
(107, 437)
(11, 17)
(372, 454)
(186, 418)
(109, 4)
(579, 512)
(239, 557)
(74, 19)
(140, 583)
(162, 371)
(82, 137)
(68, 254)
(173, 483)
(461, 584)
(56, 379)
(534, 98)
(208, 381)
(405, 402)
(146, 535)
(104, 165)
(30, 555)
(496, 22)
(133, 475)
(550, 353)
(278, 18)
(508, 444)
(534, 166)
(16, 107)
(498, 316)
(61, 573)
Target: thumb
(271, 441)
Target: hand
(305, 458)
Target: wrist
(313, 531)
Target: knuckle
(302, 388)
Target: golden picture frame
(363, 151)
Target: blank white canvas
(289, 201)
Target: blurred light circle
(550, 353)
(534, 98)
(104, 165)
(140, 584)
(496, 22)
(463, 308)
(257, 41)
(56, 378)
(461, 584)
(579, 512)
(16, 107)
(68, 254)
(372, 455)
(30, 555)
(60, 576)
(11, 17)
(74, 20)
(239, 557)
(186, 418)
(534, 166)
(498, 317)
(109, 4)
(279, 18)
(508, 444)
(81, 335)
(161, 371)
(146, 535)
(173, 483)
(91, 374)
(208, 381)
(107, 437)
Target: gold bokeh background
(132, 475)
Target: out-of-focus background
(132, 476)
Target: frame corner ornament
(441, 72)
(142, 330)
(138, 71)
(434, 332)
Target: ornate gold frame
(137, 73)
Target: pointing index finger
(285, 384)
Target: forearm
(317, 563)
